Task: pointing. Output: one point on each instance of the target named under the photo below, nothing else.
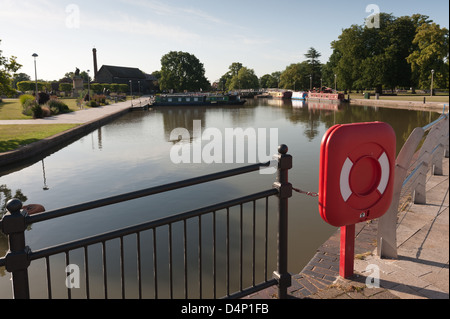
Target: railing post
(17, 262)
(284, 192)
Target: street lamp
(89, 86)
(335, 85)
(131, 93)
(35, 74)
(139, 88)
(432, 78)
(310, 82)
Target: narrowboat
(280, 94)
(299, 95)
(195, 99)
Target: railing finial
(14, 206)
(283, 149)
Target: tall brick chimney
(94, 52)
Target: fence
(20, 256)
(420, 155)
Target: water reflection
(132, 153)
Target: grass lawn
(14, 136)
(11, 109)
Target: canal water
(133, 152)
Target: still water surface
(133, 152)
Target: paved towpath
(84, 115)
(421, 270)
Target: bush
(43, 98)
(25, 97)
(27, 107)
(93, 104)
(37, 111)
(57, 107)
(46, 111)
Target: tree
(245, 79)
(296, 76)
(18, 78)
(314, 66)
(8, 67)
(365, 57)
(431, 53)
(225, 80)
(182, 71)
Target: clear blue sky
(263, 35)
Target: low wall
(416, 105)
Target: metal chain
(312, 194)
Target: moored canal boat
(325, 95)
(299, 95)
(280, 94)
(197, 99)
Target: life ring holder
(356, 172)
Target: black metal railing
(219, 242)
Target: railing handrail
(19, 256)
(141, 193)
(79, 243)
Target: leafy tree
(431, 53)
(270, 80)
(366, 57)
(18, 78)
(245, 79)
(8, 67)
(314, 66)
(182, 71)
(296, 76)
(225, 80)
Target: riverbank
(88, 120)
(410, 105)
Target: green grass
(11, 109)
(14, 136)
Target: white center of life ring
(381, 180)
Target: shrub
(27, 107)
(37, 111)
(43, 98)
(58, 107)
(46, 111)
(93, 104)
(25, 97)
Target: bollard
(284, 192)
(17, 262)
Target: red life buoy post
(356, 179)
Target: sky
(263, 35)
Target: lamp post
(335, 82)
(35, 74)
(89, 87)
(131, 93)
(432, 78)
(310, 82)
(139, 89)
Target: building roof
(123, 72)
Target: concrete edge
(411, 105)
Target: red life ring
(356, 172)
